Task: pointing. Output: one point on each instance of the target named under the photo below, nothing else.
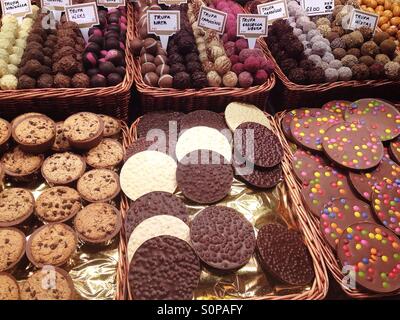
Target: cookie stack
(78, 159)
(346, 164)
(193, 153)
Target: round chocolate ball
(121, 71)
(165, 81)
(181, 80)
(151, 79)
(162, 69)
(136, 45)
(89, 60)
(92, 72)
(115, 56)
(105, 68)
(148, 67)
(93, 47)
(98, 81)
(114, 79)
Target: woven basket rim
(124, 86)
(143, 88)
(326, 251)
(318, 289)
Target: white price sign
(56, 5)
(172, 2)
(84, 15)
(111, 3)
(360, 19)
(251, 27)
(18, 8)
(318, 7)
(163, 23)
(274, 10)
(212, 19)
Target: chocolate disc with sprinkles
(352, 146)
(305, 164)
(374, 253)
(364, 182)
(338, 214)
(326, 185)
(337, 107)
(394, 150)
(287, 119)
(378, 116)
(309, 128)
(386, 204)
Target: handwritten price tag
(212, 19)
(360, 19)
(318, 7)
(111, 3)
(251, 27)
(172, 2)
(163, 23)
(57, 5)
(274, 10)
(18, 8)
(85, 15)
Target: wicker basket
(215, 99)
(319, 287)
(60, 103)
(313, 222)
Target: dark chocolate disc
(165, 121)
(164, 268)
(287, 119)
(394, 150)
(373, 252)
(386, 203)
(352, 146)
(338, 107)
(283, 253)
(257, 144)
(153, 204)
(326, 185)
(309, 128)
(137, 146)
(203, 118)
(364, 182)
(204, 176)
(377, 116)
(340, 213)
(222, 238)
(305, 164)
(257, 177)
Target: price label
(55, 5)
(318, 7)
(358, 19)
(251, 27)
(18, 8)
(274, 10)
(172, 2)
(85, 14)
(212, 19)
(111, 3)
(163, 23)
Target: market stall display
(209, 202)
(57, 212)
(355, 217)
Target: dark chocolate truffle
(288, 64)
(93, 47)
(360, 71)
(193, 66)
(63, 52)
(67, 65)
(199, 80)
(316, 75)
(32, 68)
(176, 68)
(98, 81)
(26, 82)
(45, 81)
(121, 71)
(80, 80)
(377, 71)
(35, 54)
(192, 57)
(175, 58)
(181, 80)
(114, 78)
(89, 60)
(298, 75)
(62, 81)
(105, 68)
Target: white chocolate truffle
(20, 43)
(9, 82)
(18, 51)
(12, 69)
(23, 34)
(15, 59)
(3, 68)
(8, 18)
(5, 44)
(4, 55)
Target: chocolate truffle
(151, 79)
(80, 80)
(245, 79)
(175, 58)
(339, 53)
(193, 66)
(136, 45)
(199, 79)
(388, 47)
(165, 81)
(288, 64)
(34, 54)
(32, 68)
(316, 75)
(98, 81)
(26, 82)
(67, 65)
(45, 81)
(376, 71)
(90, 60)
(298, 75)
(181, 80)
(163, 69)
(360, 72)
(62, 81)
(63, 52)
(367, 60)
(114, 79)
(214, 79)
(177, 68)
